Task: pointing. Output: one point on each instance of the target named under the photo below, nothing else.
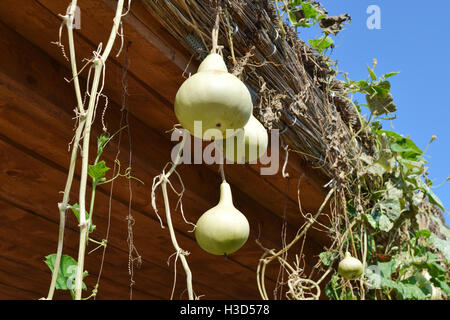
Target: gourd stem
(215, 34)
(222, 171)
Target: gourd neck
(213, 62)
(225, 194)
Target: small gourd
(248, 144)
(213, 96)
(222, 229)
(350, 268)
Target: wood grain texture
(36, 124)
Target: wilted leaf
(381, 103)
(327, 257)
(442, 245)
(373, 223)
(385, 223)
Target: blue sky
(412, 40)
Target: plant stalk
(164, 179)
(84, 173)
(63, 206)
(99, 64)
(62, 209)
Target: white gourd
(213, 96)
(247, 145)
(350, 268)
(222, 229)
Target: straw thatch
(294, 89)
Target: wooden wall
(36, 126)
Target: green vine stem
(68, 21)
(99, 65)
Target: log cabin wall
(36, 127)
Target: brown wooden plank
(18, 122)
(40, 239)
(42, 29)
(97, 16)
(22, 175)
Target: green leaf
(98, 171)
(332, 289)
(423, 233)
(372, 73)
(381, 93)
(386, 85)
(321, 44)
(327, 257)
(379, 275)
(411, 290)
(67, 271)
(406, 147)
(362, 84)
(102, 141)
(390, 74)
(436, 270)
(443, 285)
(292, 18)
(309, 11)
(295, 3)
(434, 199)
(373, 223)
(76, 211)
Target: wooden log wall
(36, 127)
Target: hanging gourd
(213, 96)
(350, 268)
(222, 229)
(247, 145)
